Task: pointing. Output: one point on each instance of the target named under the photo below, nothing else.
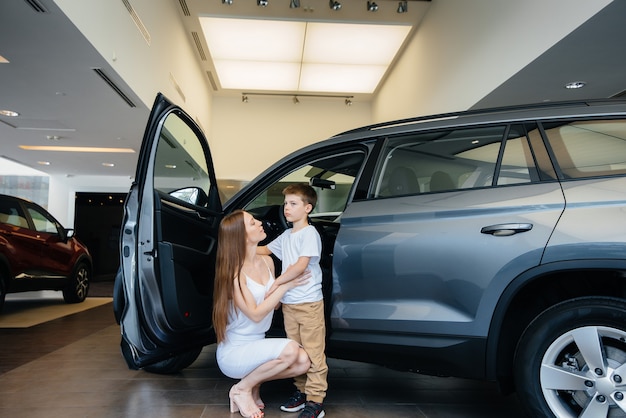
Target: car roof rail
(481, 111)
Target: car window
(456, 159)
(332, 177)
(589, 148)
(11, 213)
(180, 165)
(42, 222)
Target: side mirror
(66, 233)
(194, 195)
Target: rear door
(451, 217)
(22, 245)
(168, 241)
(55, 257)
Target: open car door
(164, 290)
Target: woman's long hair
(231, 251)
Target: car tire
(3, 290)
(567, 360)
(78, 286)
(174, 364)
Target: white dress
(245, 347)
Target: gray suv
(487, 244)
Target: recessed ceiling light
(108, 164)
(43, 162)
(170, 165)
(75, 149)
(575, 85)
(8, 113)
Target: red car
(38, 253)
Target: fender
(523, 280)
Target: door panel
(168, 243)
(186, 252)
(420, 264)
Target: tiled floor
(72, 367)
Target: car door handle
(505, 230)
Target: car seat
(403, 181)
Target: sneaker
(295, 403)
(312, 410)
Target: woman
(242, 314)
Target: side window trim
(496, 170)
(548, 147)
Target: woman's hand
(298, 281)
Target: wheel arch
(5, 270)
(536, 290)
(84, 258)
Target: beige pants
(304, 323)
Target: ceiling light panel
(252, 54)
(338, 43)
(335, 78)
(258, 75)
(253, 40)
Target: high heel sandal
(235, 406)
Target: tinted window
(458, 159)
(42, 223)
(180, 162)
(439, 161)
(11, 213)
(589, 148)
(332, 178)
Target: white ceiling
(50, 78)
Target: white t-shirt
(290, 246)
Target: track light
(372, 6)
(403, 7)
(334, 5)
(294, 4)
(295, 98)
(262, 3)
(227, 2)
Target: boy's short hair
(304, 191)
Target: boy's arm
(293, 270)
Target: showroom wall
(465, 49)
(248, 137)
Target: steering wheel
(274, 223)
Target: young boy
(300, 248)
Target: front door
(168, 242)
